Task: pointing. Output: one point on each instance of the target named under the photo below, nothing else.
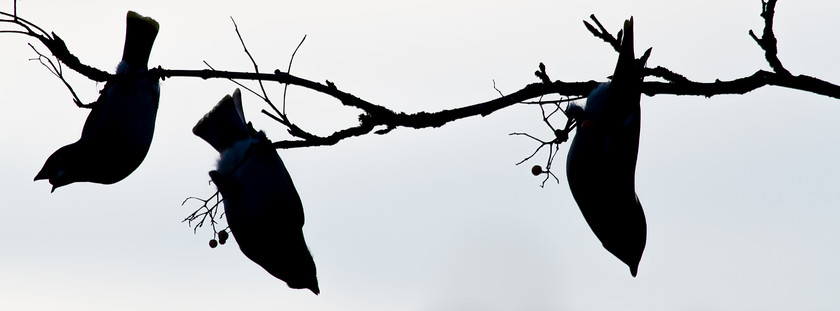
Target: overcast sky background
(740, 192)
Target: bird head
(55, 169)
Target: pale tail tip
(151, 21)
(628, 25)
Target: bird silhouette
(262, 206)
(601, 164)
(118, 130)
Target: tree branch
(375, 116)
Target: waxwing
(262, 207)
(118, 130)
(601, 164)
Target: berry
(223, 236)
(213, 243)
(536, 170)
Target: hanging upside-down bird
(262, 207)
(601, 165)
(118, 131)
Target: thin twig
(602, 33)
(289, 70)
(57, 71)
(235, 82)
(256, 67)
(542, 144)
(497, 89)
(203, 212)
(556, 101)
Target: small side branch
(768, 41)
(561, 135)
(605, 35)
(207, 212)
(264, 96)
(58, 48)
(289, 70)
(56, 69)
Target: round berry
(223, 236)
(213, 243)
(536, 170)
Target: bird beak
(40, 175)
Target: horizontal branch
(281, 77)
(375, 116)
(534, 90)
(679, 85)
(380, 116)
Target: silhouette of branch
(378, 119)
(58, 48)
(264, 96)
(605, 35)
(742, 85)
(209, 208)
(56, 69)
(289, 70)
(56, 45)
(768, 38)
(560, 136)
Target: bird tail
(225, 124)
(626, 69)
(140, 33)
(625, 87)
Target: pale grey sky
(740, 192)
